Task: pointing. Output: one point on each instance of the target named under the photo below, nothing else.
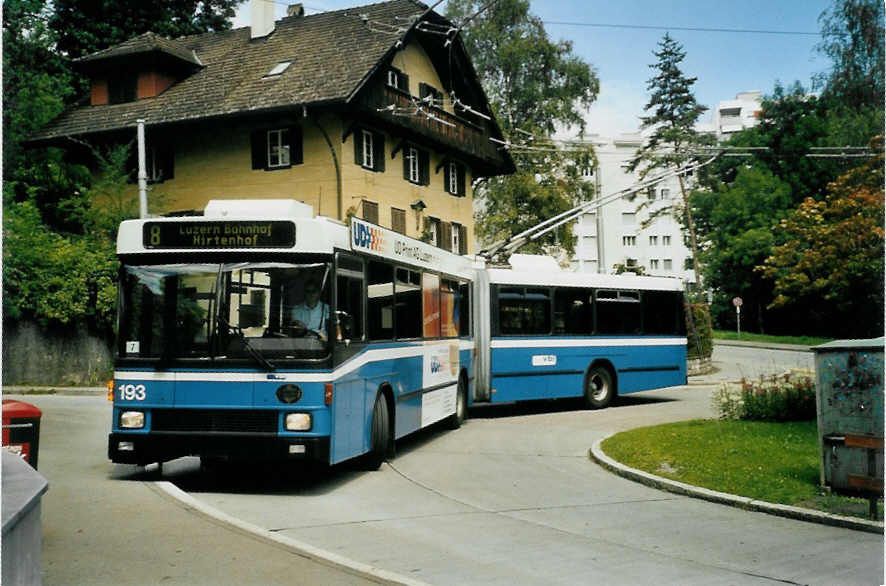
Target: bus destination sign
(219, 234)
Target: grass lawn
(773, 462)
(747, 337)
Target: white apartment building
(636, 231)
(738, 114)
(633, 231)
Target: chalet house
(370, 111)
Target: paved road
(106, 524)
(511, 498)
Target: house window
(653, 264)
(369, 149)
(397, 79)
(416, 166)
(370, 211)
(666, 240)
(456, 238)
(278, 69)
(628, 219)
(430, 95)
(653, 240)
(160, 164)
(664, 193)
(278, 148)
(629, 241)
(454, 179)
(432, 228)
(398, 220)
(122, 89)
(668, 264)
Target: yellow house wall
(216, 163)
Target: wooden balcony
(398, 109)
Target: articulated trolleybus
(257, 331)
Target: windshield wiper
(250, 349)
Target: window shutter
(424, 168)
(378, 150)
(370, 211)
(398, 220)
(461, 180)
(445, 236)
(446, 186)
(403, 82)
(296, 150)
(259, 140)
(358, 145)
(463, 239)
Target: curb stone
(301, 548)
(597, 455)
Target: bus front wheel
(379, 433)
(599, 388)
(461, 405)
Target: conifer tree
(672, 113)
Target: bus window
(408, 307)
(380, 291)
(663, 313)
(449, 318)
(572, 311)
(349, 299)
(618, 312)
(430, 288)
(524, 311)
(463, 301)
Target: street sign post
(736, 301)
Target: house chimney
(295, 10)
(262, 18)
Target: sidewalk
(53, 390)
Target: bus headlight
(298, 422)
(132, 419)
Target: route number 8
(155, 235)
(132, 392)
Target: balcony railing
(401, 109)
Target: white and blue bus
(257, 331)
(545, 333)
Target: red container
(21, 430)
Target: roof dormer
(142, 67)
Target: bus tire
(599, 387)
(455, 420)
(379, 434)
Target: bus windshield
(253, 311)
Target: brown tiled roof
(332, 54)
(144, 43)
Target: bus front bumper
(141, 449)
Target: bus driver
(311, 313)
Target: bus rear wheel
(379, 434)
(599, 388)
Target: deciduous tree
(534, 86)
(831, 259)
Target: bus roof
(573, 279)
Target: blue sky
(725, 63)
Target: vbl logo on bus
(366, 237)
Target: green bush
(790, 397)
(700, 332)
